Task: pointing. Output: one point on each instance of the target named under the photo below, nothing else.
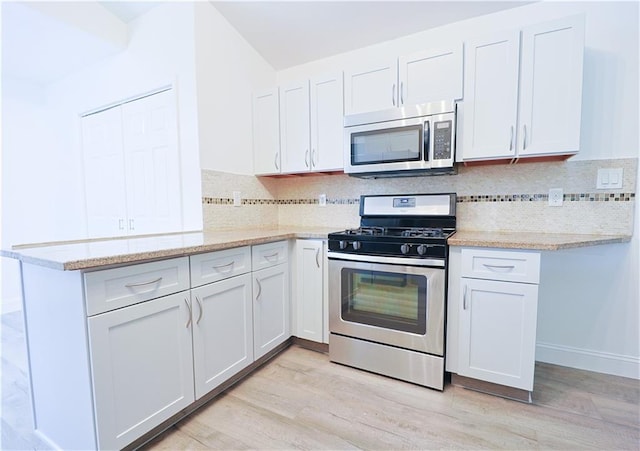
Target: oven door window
(385, 299)
(387, 146)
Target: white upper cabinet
(431, 76)
(132, 168)
(534, 111)
(426, 76)
(294, 127)
(491, 96)
(327, 122)
(298, 127)
(266, 133)
(371, 88)
(551, 87)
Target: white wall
(36, 180)
(589, 314)
(160, 52)
(42, 184)
(228, 70)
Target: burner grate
(366, 231)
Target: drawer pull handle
(201, 310)
(317, 255)
(141, 284)
(228, 265)
(259, 290)
(189, 308)
(465, 304)
(499, 268)
(271, 256)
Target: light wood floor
(301, 400)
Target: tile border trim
(570, 197)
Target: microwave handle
(426, 136)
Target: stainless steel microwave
(413, 140)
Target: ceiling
(288, 33)
(40, 46)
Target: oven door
(390, 304)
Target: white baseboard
(587, 359)
(11, 304)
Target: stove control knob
(343, 244)
(405, 248)
(422, 249)
(357, 245)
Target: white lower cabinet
(492, 315)
(310, 294)
(135, 345)
(142, 367)
(222, 331)
(270, 308)
(498, 332)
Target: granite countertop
(531, 240)
(93, 254)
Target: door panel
(105, 188)
(153, 164)
(222, 331)
(142, 367)
(491, 97)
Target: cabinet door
(266, 133)
(498, 332)
(222, 331)
(152, 163)
(327, 122)
(371, 88)
(105, 188)
(142, 367)
(294, 127)
(491, 97)
(309, 290)
(551, 87)
(431, 76)
(270, 309)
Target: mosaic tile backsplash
(492, 198)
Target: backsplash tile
(492, 198)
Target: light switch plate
(609, 178)
(555, 197)
(322, 200)
(237, 200)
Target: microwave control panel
(442, 137)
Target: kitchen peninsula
(66, 326)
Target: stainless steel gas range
(387, 287)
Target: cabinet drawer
(214, 266)
(269, 254)
(509, 266)
(119, 287)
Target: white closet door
(104, 173)
(152, 164)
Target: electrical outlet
(555, 197)
(237, 200)
(322, 200)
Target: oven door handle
(407, 261)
